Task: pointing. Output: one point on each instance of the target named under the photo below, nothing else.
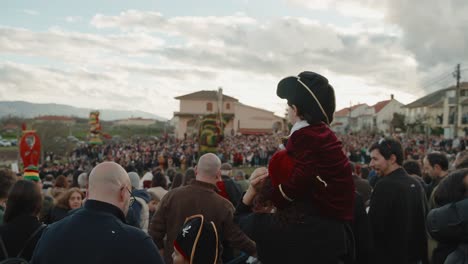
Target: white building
(437, 110)
(363, 117)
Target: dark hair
(61, 182)
(364, 172)
(412, 167)
(452, 188)
(159, 180)
(63, 199)
(7, 179)
(438, 158)
(25, 198)
(462, 160)
(189, 176)
(171, 173)
(177, 181)
(388, 147)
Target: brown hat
(226, 166)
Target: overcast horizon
(139, 55)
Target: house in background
(138, 121)
(241, 118)
(362, 117)
(437, 110)
(59, 119)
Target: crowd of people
(312, 197)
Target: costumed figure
(94, 136)
(210, 133)
(30, 151)
(322, 173)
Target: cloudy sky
(140, 54)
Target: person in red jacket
(322, 172)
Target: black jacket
(315, 240)
(449, 226)
(233, 190)
(15, 234)
(57, 214)
(397, 210)
(96, 233)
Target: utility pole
(456, 74)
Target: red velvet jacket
(318, 152)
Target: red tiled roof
(54, 118)
(255, 131)
(380, 105)
(205, 95)
(345, 111)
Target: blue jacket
(97, 233)
(134, 213)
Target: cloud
(30, 12)
(154, 58)
(277, 47)
(73, 19)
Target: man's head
(109, 183)
(134, 180)
(240, 175)
(461, 161)
(386, 156)
(208, 168)
(435, 165)
(226, 169)
(83, 180)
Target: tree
(398, 121)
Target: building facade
(437, 110)
(239, 118)
(362, 117)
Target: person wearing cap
(99, 229)
(229, 189)
(197, 242)
(294, 234)
(199, 197)
(322, 173)
(138, 214)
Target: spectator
(71, 199)
(447, 224)
(397, 208)
(200, 197)
(7, 179)
(197, 242)
(229, 189)
(103, 219)
(138, 214)
(435, 166)
(22, 229)
(240, 179)
(177, 180)
(188, 177)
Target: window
(209, 107)
(228, 106)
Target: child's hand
(256, 179)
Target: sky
(140, 54)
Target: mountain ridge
(25, 109)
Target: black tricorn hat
(310, 92)
(198, 241)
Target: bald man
(97, 233)
(200, 197)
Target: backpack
(18, 259)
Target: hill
(30, 110)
